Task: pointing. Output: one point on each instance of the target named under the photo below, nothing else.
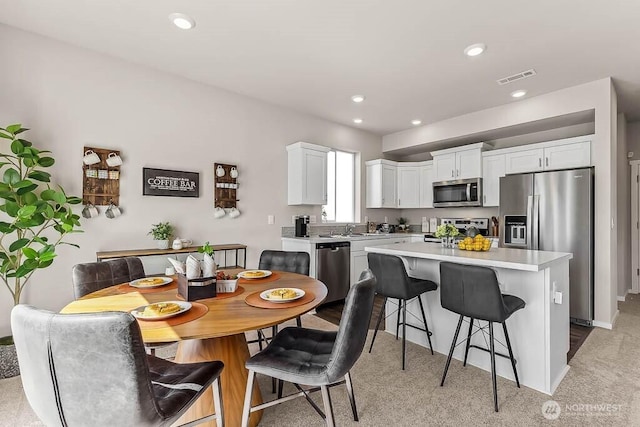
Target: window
(340, 205)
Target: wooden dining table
(219, 334)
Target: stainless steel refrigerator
(553, 211)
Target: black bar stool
(474, 292)
(394, 282)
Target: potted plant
(208, 263)
(403, 224)
(161, 233)
(447, 232)
(35, 221)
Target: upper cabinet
(458, 163)
(408, 186)
(307, 174)
(426, 185)
(493, 168)
(382, 184)
(553, 155)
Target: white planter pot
(162, 244)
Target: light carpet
(601, 388)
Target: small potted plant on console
(161, 233)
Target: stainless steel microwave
(458, 193)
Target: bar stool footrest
(417, 327)
(496, 353)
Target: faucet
(348, 229)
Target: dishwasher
(333, 268)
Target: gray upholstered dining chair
(93, 276)
(320, 359)
(92, 370)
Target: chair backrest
(293, 262)
(354, 325)
(93, 276)
(392, 279)
(84, 369)
(471, 291)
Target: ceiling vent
(516, 77)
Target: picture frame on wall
(170, 183)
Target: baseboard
(622, 298)
(633, 291)
(606, 325)
(559, 378)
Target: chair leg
(328, 408)
(152, 351)
(375, 332)
(398, 322)
(299, 322)
(493, 367)
(426, 327)
(246, 410)
(217, 401)
(404, 332)
(280, 388)
(466, 350)
(260, 338)
(453, 346)
(352, 396)
(513, 360)
(273, 385)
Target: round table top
(227, 316)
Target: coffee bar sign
(162, 182)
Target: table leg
(233, 351)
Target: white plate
(266, 273)
(137, 312)
(136, 283)
(299, 294)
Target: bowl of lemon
(478, 243)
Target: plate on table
(282, 294)
(161, 310)
(254, 274)
(151, 282)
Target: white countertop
(372, 236)
(515, 259)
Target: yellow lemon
(462, 246)
(478, 238)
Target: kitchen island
(539, 333)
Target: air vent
(516, 77)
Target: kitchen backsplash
(314, 230)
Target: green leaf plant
(35, 217)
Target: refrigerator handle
(529, 222)
(535, 233)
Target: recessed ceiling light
(416, 122)
(357, 121)
(475, 49)
(518, 93)
(182, 21)
(357, 98)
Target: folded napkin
(193, 267)
(179, 266)
(208, 266)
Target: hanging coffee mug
(219, 213)
(90, 211)
(114, 160)
(233, 172)
(113, 211)
(90, 158)
(234, 213)
(220, 171)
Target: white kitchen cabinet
(381, 191)
(307, 174)
(458, 163)
(359, 263)
(553, 155)
(426, 185)
(408, 186)
(493, 167)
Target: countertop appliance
(302, 226)
(333, 260)
(553, 211)
(461, 192)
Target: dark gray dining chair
(91, 370)
(94, 276)
(474, 292)
(320, 359)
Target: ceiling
(405, 56)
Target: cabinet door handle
(547, 160)
(484, 198)
(540, 162)
(458, 172)
(398, 202)
(452, 174)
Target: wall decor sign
(163, 182)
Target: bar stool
(474, 292)
(394, 282)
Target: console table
(233, 247)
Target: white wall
(70, 97)
(624, 210)
(598, 97)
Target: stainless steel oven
(461, 192)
